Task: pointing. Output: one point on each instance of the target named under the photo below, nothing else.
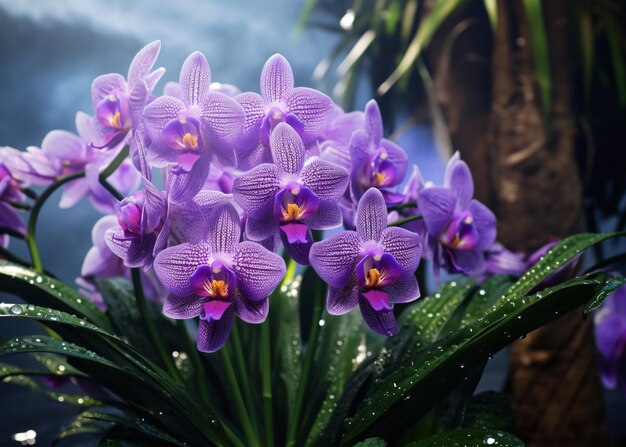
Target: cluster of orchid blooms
(243, 175)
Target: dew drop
(16, 309)
(489, 440)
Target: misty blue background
(50, 53)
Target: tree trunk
(526, 172)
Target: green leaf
(490, 410)
(484, 298)
(556, 258)
(540, 52)
(44, 291)
(389, 402)
(611, 286)
(425, 31)
(372, 442)
(82, 426)
(119, 296)
(470, 437)
(137, 424)
(614, 36)
(491, 6)
(341, 340)
(17, 376)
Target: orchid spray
(218, 302)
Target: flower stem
(402, 206)
(266, 371)
(239, 404)
(243, 371)
(308, 362)
(34, 214)
(148, 321)
(192, 351)
(110, 169)
(400, 222)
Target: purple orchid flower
(376, 161)
(610, 331)
(192, 131)
(373, 266)
(291, 196)
(219, 278)
(460, 229)
(101, 262)
(499, 260)
(73, 153)
(119, 102)
(140, 218)
(10, 195)
(411, 192)
(306, 110)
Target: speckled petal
(334, 258)
(371, 215)
(258, 270)
(182, 307)
(276, 78)
(212, 336)
(175, 265)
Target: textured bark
(526, 172)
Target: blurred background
(532, 93)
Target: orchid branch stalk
(34, 214)
(405, 220)
(142, 304)
(308, 362)
(233, 385)
(110, 169)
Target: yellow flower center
(293, 212)
(217, 288)
(190, 141)
(373, 278)
(379, 178)
(115, 121)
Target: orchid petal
(213, 335)
(158, 113)
(104, 85)
(64, 146)
(373, 122)
(459, 178)
(371, 215)
(485, 224)
(276, 78)
(334, 258)
(328, 215)
(403, 290)
(74, 192)
(255, 190)
(342, 300)
(143, 62)
(182, 307)
(195, 77)
(258, 270)
(175, 265)
(252, 104)
(225, 229)
(404, 245)
(437, 206)
(382, 322)
(253, 312)
(287, 148)
(325, 179)
(313, 108)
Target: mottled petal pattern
(258, 271)
(175, 265)
(195, 77)
(255, 189)
(182, 307)
(313, 108)
(276, 78)
(287, 148)
(334, 258)
(213, 335)
(371, 215)
(405, 246)
(225, 229)
(324, 178)
(342, 300)
(382, 322)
